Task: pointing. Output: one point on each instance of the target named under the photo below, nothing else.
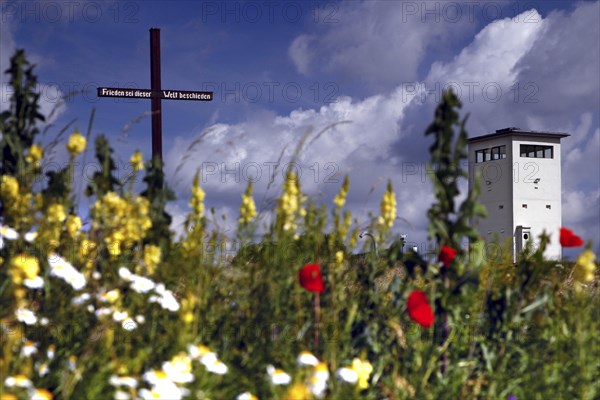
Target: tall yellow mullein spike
(248, 207)
(388, 207)
(197, 199)
(288, 204)
(340, 198)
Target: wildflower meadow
(113, 305)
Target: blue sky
(278, 68)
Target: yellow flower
(248, 207)
(87, 250)
(187, 308)
(388, 207)
(339, 257)
(363, 369)
(197, 200)
(585, 267)
(289, 204)
(298, 391)
(113, 243)
(151, 257)
(73, 225)
(76, 143)
(8, 396)
(340, 198)
(10, 187)
(56, 213)
(24, 267)
(111, 296)
(125, 221)
(35, 154)
(20, 381)
(137, 161)
(41, 394)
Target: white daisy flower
(347, 375)
(208, 359)
(50, 351)
(76, 280)
(217, 367)
(43, 369)
(317, 386)
(179, 369)
(72, 362)
(125, 274)
(169, 302)
(35, 283)
(156, 378)
(278, 377)
(20, 381)
(30, 236)
(307, 358)
(129, 325)
(40, 394)
(28, 349)
(126, 381)
(140, 319)
(102, 312)
(321, 371)
(65, 270)
(154, 299)
(26, 316)
(121, 395)
(199, 351)
(160, 288)
(141, 284)
(246, 396)
(166, 301)
(120, 316)
(166, 391)
(79, 300)
(44, 321)
(6, 232)
(96, 275)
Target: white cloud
(300, 54)
(373, 41)
(484, 72)
(250, 147)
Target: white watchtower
(520, 186)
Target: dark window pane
(539, 152)
(548, 153)
(479, 156)
(502, 150)
(495, 153)
(486, 153)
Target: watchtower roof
(520, 132)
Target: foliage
(122, 308)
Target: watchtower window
(494, 153)
(537, 151)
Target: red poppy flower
(446, 256)
(311, 279)
(569, 239)
(418, 308)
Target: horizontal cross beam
(148, 94)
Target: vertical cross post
(155, 86)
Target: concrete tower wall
(520, 184)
